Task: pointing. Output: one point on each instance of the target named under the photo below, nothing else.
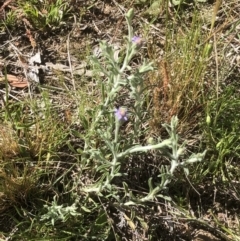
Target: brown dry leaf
(16, 81)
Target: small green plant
(157, 6)
(45, 14)
(58, 212)
(221, 132)
(9, 21)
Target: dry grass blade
(215, 11)
(8, 141)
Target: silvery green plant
(171, 149)
(114, 148)
(58, 212)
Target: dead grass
(9, 141)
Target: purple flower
(121, 114)
(137, 40)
